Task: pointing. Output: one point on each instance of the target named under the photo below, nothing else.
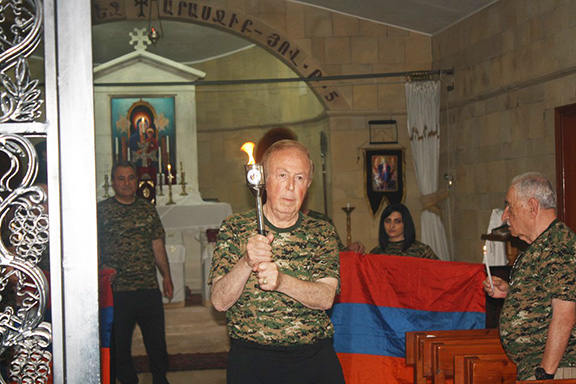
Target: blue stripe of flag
(374, 330)
(106, 321)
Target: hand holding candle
(488, 269)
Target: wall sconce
(383, 131)
(154, 34)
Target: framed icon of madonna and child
(144, 132)
(384, 177)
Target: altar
(186, 223)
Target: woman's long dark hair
(409, 230)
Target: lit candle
(488, 269)
(169, 174)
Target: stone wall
(341, 45)
(514, 62)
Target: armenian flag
(382, 297)
(106, 306)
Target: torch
(256, 182)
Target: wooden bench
(413, 337)
(443, 354)
(423, 347)
(484, 369)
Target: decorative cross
(140, 39)
(144, 155)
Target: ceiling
(187, 43)
(424, 16)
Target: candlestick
(488, 269)
(348, 209)
(170, 179)
(182, 181)
(160, 181)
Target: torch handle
(259, 214)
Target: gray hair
(286, 144)
(535, 185)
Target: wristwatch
(541, 374)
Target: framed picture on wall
(144, 132)
(384, 177)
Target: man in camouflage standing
(276, 288)
(539, 313)
(131, 241)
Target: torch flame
(248, 147)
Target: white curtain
(423, 104)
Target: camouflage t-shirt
(417, 249)
(307, 251)
(545, 271)
(125, 234)
(321, 216)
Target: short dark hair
(122, 163)
(409, 229)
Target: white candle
(128, 153)
(488, 269)
(116, 147)
(159, 159)
(167, 144)
(348, 205)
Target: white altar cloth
(190, 221)
(176, 257)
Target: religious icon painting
(384, 177)
(144, 132)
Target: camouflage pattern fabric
(545, 271)
(125, 234)
(417, 249)
(321, 216)
(307, 250)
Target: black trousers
(145, 309)
(251, 363)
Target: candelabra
(106, 186)
(170, 178)
(182, 181)
(348, 209)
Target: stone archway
(248, 27)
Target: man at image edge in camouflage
(539, 312)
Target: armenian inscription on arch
(104, 11)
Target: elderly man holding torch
(276, 287)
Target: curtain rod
(413, 74)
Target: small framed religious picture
(384, 177)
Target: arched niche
(250, 28)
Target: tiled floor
(193, 329)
